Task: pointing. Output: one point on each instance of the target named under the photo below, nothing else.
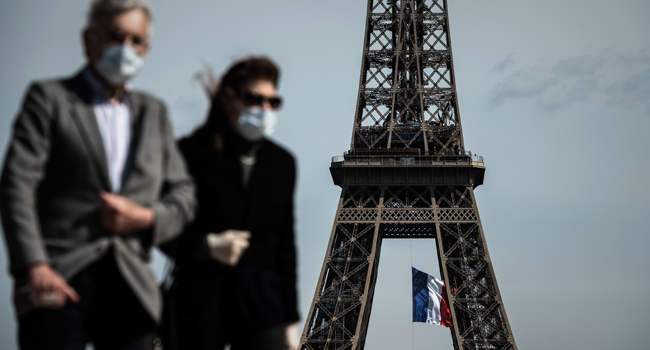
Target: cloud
(567, 94)
(581, 66)
(640, 58)
(522, 84)
(630, 92)
(621, 79)
(505, 64)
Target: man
(92, 180)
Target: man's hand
(292, 336)
(48, 289)
(228, 246)
(122, 216)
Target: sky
(553, 94)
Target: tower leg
(478, 315)
(340, 311)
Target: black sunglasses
(254, 99)
(120, 36)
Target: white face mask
(256, 122)
(119, 63)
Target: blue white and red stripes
(430, 304)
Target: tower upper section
(407, 100)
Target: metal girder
(406, 175)
(407, 96)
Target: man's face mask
(119, 63)
(256, 122)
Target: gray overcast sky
(554, 94)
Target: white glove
(292, 336)
(228, 246)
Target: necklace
(246, 160)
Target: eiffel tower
(407, 175)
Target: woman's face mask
(255, 122)
(259, 115)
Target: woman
(235, 279)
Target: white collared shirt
(114, 121)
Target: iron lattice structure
(406, 175)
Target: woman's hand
(228, 246)
(292, 336)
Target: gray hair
(103, 10)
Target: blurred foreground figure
(235, 281)
(92, 179)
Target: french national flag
(430, 304)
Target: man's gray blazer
(54, 171)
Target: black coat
(264, 281)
